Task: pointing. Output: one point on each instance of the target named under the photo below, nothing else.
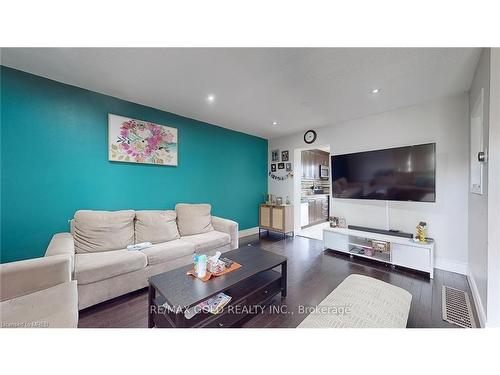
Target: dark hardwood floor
(312, 274)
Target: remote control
(227, 261)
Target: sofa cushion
(166, 251)
(155, 226)
(92, 267)
(96, 231)
(193, 218)
(208, 241)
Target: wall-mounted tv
(396, 174)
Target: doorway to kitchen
(312, 191)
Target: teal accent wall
(54, 161)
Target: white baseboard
(248, 232)
(451, 266)
(477, 300)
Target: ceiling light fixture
(275, 123)
(211, 98)
(375, 91)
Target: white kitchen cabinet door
(304, 214)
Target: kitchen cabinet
(314, 165)
(310, 162)
(312, 210)
(319, 206)
(321, 158)
(304, 214)
(318, 209)
(308, 165)
(325, 159)
(304, 162)
(326, 208)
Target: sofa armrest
(227, 226)
(29, 276)
(62, 243)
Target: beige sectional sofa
(104, 268)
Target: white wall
(478, 204)
(493, 306)
(444, 121)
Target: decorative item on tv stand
(337, 222)
(421, 235)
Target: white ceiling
(300, 88)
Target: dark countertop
(305, 198)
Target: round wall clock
(310, 136)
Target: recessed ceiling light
(210, 98)
(275, 123)
(375, 91)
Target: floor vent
(456, 308)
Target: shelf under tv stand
(403, 252)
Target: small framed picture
(281, 165)
(288, 167)
(338, 222)
(342, 223)
(273, 167)
(284, 155)
(334, 221)
(275, 155)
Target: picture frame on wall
(138, 141)
(285, 155)
(281, 165)
(275, 155)
(273, 167)
(288, 167)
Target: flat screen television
(396, 174)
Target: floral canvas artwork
(137, 141)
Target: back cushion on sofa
(155, 226)
(193, 218)
(96, 231)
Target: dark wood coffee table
(251, 287)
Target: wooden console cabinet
(276, 218)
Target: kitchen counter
(307, 198)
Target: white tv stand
(403, 252)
